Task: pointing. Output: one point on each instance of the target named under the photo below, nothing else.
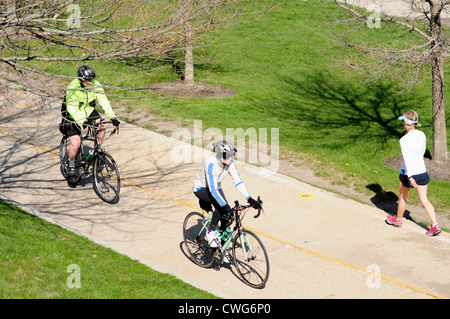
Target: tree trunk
(437, 67)
(188, 56)
(9, 6)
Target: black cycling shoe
(71, 172)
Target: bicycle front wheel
(195, 227)
(106, 177)
(251, 259)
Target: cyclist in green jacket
(81, 97)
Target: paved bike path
(325, 246)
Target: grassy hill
(36, 259)
(287, 75)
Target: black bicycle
(248, 252)
(95, 161)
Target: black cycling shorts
(70, 128)
(207, 200)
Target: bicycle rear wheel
(251, 259)
(64, 159)
(64, 154)
(195, 227)
(106, 177)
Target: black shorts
(207, 200)
(70, 128)
(421, 179)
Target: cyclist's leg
(219, 213)
(206, 200)
(203, 199)
(95, 117)
(74, 134)
(75, 142)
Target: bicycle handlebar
(102, 122)
(116, 128)
(259, 202)
(242, 207)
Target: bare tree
(427, 48)
(35, 34)
(202, 16)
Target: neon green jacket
(78, 99)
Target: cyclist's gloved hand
(115, 122)
(253, 202)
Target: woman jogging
(413, 173)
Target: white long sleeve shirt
(211, 176)
(413, 146)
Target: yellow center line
(182, 202)
(348, 265)
(45, 149)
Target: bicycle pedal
(73, 180)
(217, 254)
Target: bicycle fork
(244, 242)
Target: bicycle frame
(91, 135)
(248, 252)
(84, 165)
(101, 164)
(237, 228)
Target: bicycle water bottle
(226, 234)
(89, 155)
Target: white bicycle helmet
(224, 149)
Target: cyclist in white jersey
(207, 187)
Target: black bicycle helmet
(86, 73)
(224, 149)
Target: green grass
(35, 260)
(287, 76)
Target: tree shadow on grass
(343, 109)
(336, 113)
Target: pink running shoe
(392, 220)
(434, 230)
